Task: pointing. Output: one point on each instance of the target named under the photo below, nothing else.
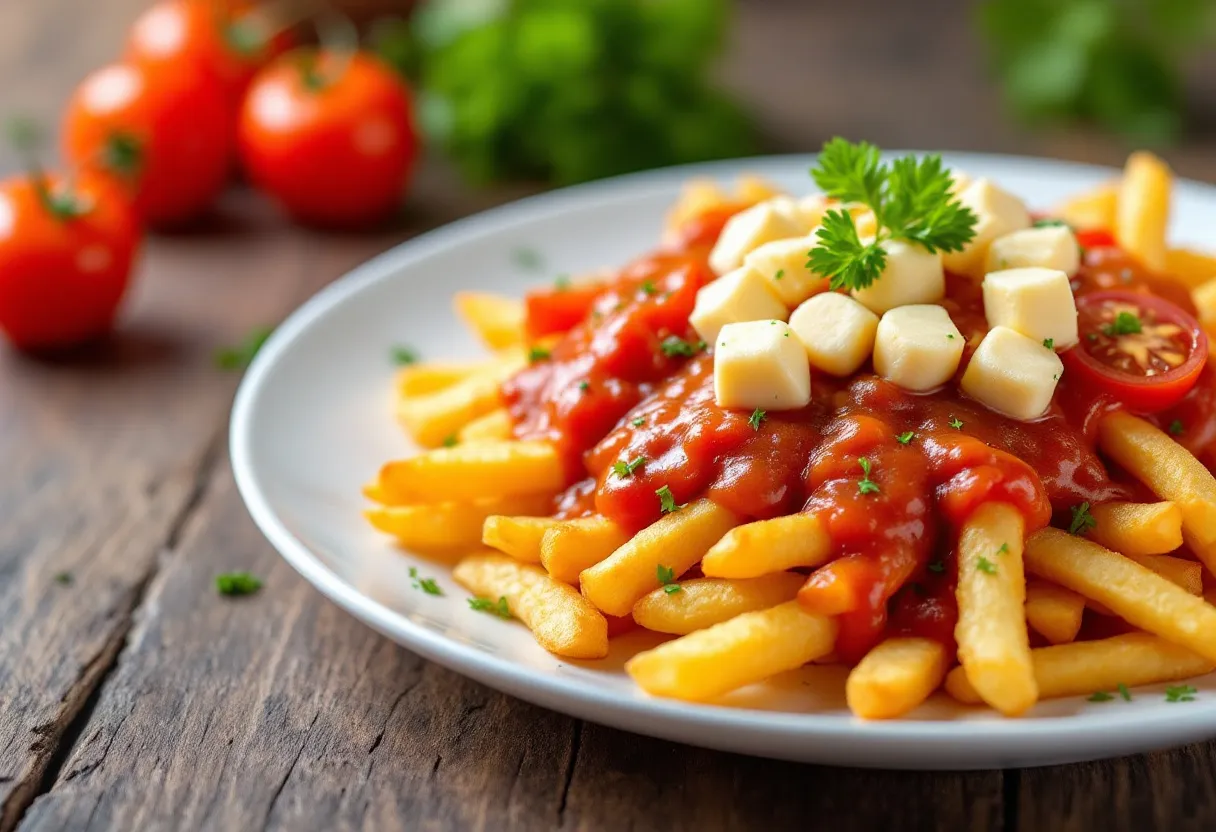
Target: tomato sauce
(610, 393)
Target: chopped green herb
(1176, 428)
(528, 259)
(667, 578)
(403, 356)
(64, 578)
(1124, 692)
(1003, 550)
(241, 356)
(937, 567)
(956, 423)
(1100, 696)
(237, 583)
(538, 354)
(780, 274)
(1180, 693)
(499, 607)
(638, 422)
(949, 336)
(1050, 343)
(866, 485)
(1091, 336)
(756, 418)
(667, 501)
(905, 437)
(648, 288)
(625, 469)
(1082, 520)
(562, 282)
(1125, 323)
(673, 346)
(584, 386)
(1050, 222)
(427, 585)
(986, 566)
(450, 441)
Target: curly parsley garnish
(911, 201)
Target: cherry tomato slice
(1137, 348)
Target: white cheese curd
(912, 275)
(959, 179)
(837, 331)
(741, 295)
(1037, 303)
(748, 229)
(917, 347)
(761, 364)
(1012, 374)
(1049, 247)
(782, 264)
(999, 212)
(811, 209)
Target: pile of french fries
(481, 494)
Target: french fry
(993, 644)
(1092, 210)
(1053, 611)
(1134, 593)
(1194, 268)
(768, 546)
(375, 492)
(518, 537)
(752, 188)
(1170, 470)
(1138, 528)
(748, 648)
(1187, 574)
(495, 426)
(1144, 209)
(1085, 667)
(895, 677)
(470, 472)
(1204, 298)
(432, 376)
(447, 526)
(497, 320)
(696, 197)
(574, 545)
(561, 619)
(676, 541)
(704, 602)
(437, 417)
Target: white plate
(313, 421)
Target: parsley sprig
(911, 201)
(667, 578)
(625, 469)
(866, 485)
(1082, 520)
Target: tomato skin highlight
(334, 145)
(62, 278)
(1139, 393)
(174, 131)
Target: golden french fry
(993, 644)
(1144, 209)
(1194, 268)
(1187, 574)
(432, 376)
(768, 546)
(752, 188)
(895, 677)
(1170, 470)
(436, 418)
(1053, 611)
(676, 541)
(375, 492)
(518, 537)
(748, 648)
(561, 619)
(447, 526)
(704, 602)
(1138, 528)
(470, 472)
(1133, 592)
(1085, 667)
(497, 320)
(495, 426)
(574, 545)
(1092, 210)
(1204, 298)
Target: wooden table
(134, 697)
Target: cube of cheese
(1038, 303)
(1012, 374)
(917, 347)
(959, 179)
(837, 331)
(999, 212)
(1049, 247)
(912, 275)
(812, 207)
(742, 295)
(761, 364)
(750, 228)
(782, 264)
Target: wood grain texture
(136, 698)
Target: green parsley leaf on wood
(237, 583)
(240, 356)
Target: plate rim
(723, 727)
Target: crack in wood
(274, 798)
(576, 741)
(1011, 788)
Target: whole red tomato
(65, 259)
(329, 136)
(230, 39)
(163, 133)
